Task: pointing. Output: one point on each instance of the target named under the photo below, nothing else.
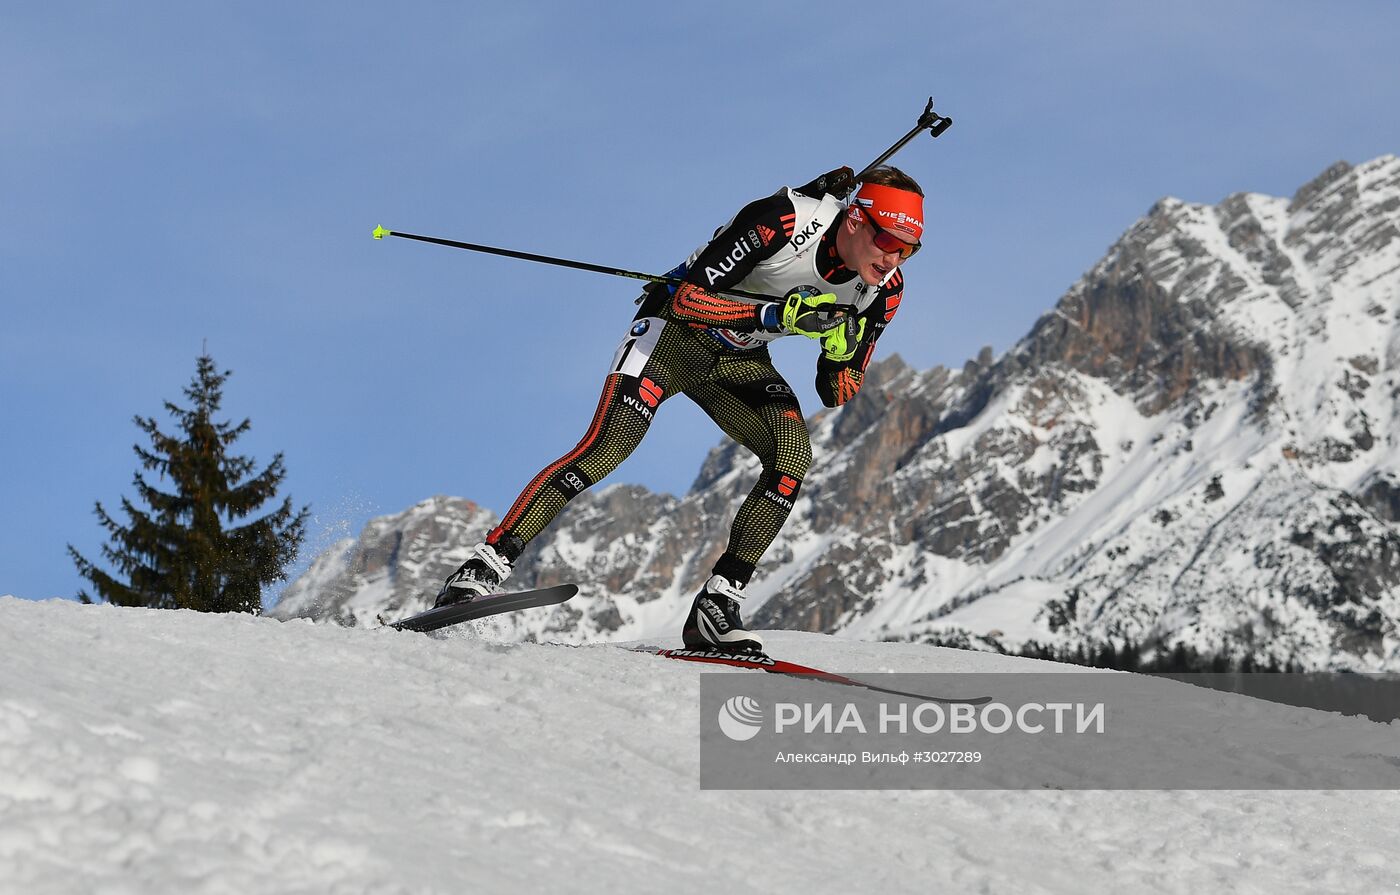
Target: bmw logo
(640, 327)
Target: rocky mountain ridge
(1196, 444)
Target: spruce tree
(191, 549)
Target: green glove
(805, 314)
(840, 344)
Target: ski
(481, 607)
(761, 662)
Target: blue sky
(180, 172)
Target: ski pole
(380, 233)
(930, 121)
(840, 182)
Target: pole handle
(929, 121)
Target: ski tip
(380, 232)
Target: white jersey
(794, 266)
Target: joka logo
(766, 234)
(741, 718)
(650, 392)
(812, 229)
(787, 485)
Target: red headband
(894, 209)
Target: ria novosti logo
(740, 718)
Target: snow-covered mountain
(153, 751)
(1196, 444)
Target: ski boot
(714, 622)
(480, 575)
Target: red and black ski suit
(689, 340)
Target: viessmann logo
(740, 718)
(900, 217)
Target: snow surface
(155, 751)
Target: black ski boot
(477, 577)
(714, 622)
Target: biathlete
(837, 267)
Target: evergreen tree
(179, 554)
(1132, 658)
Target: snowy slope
(153, 751)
